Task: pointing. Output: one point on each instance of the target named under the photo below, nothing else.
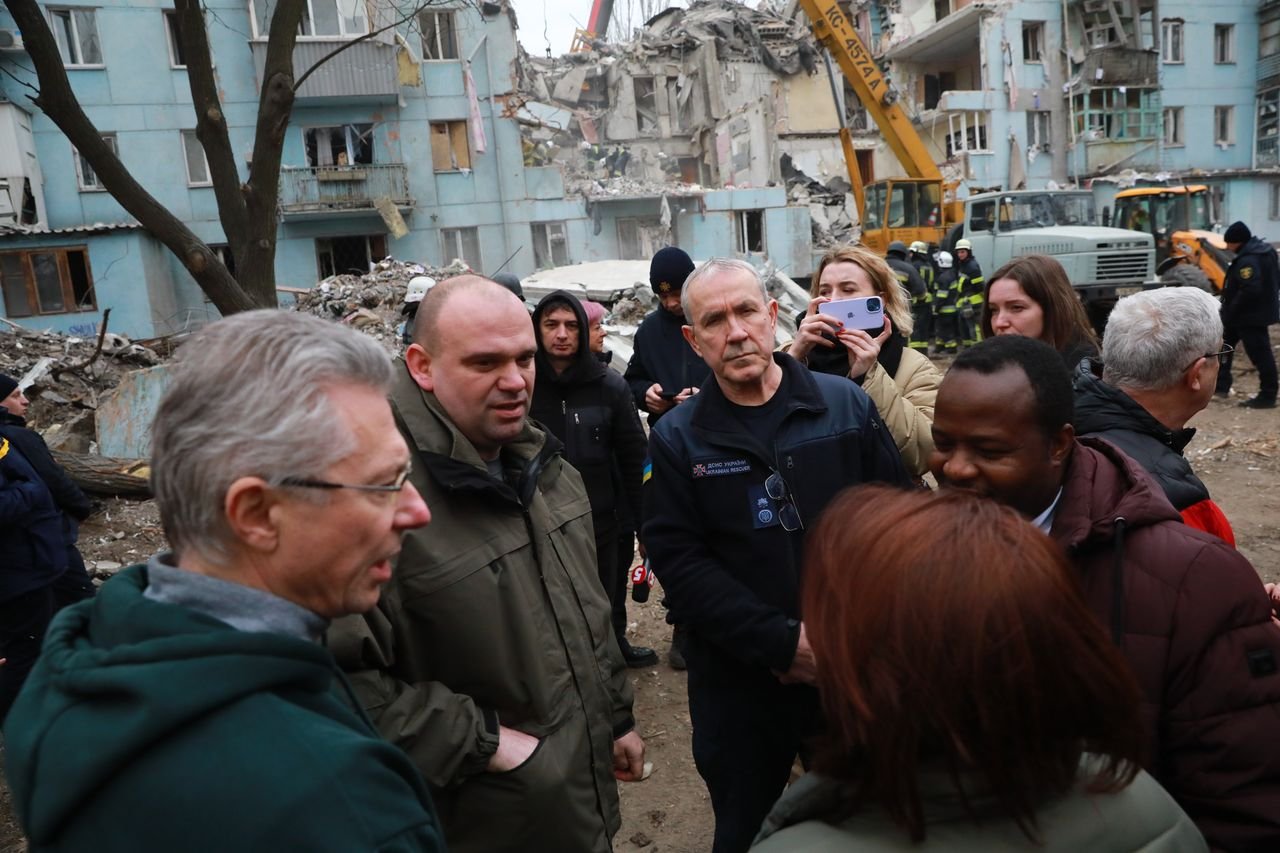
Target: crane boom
(836, 33)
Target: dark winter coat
(1109, 413)
(1249, 294)
(33, 548)
(1190, 614)
(74, 503)
(146, 726)
(590, 409)
(495, 615)
(730, 575)
(662, 355)
(907, 275)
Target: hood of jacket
(1104, 493)
(120, 673)
(1101, 407)
(585, 365)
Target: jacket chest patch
(763, 512)
(721, 468)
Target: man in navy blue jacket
(737, 474)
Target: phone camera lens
(873, 303)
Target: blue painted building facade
(385, 125)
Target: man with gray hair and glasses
(192, 705)
(1160, 359)
(737, 473)
(492, 660)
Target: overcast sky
(558, 19)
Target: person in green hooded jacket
(192, 706)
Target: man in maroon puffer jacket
(1189, 612)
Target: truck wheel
(1185, 275)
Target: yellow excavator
(1188, 252)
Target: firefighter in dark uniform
(896, 258)
(972, 286)
(1251, 303)
(922, 306)
(946, 298)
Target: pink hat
(595, 311)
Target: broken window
(450, 151)
(85, 176)
(550, 248)
(1224, 125)
(334, 18)
(968, 132)
(1102, 27)
(941, 8)
(197, 165)
(646, 104)
(1224, 44)
(1269, 38)
(640, 238)
(935, 85)
(749, 231)
(1038, 130)
(439, 37)
(344, 145)
(1273, 207)
(349, 255)
(1269, 128)
(1118, 112)
(461, 244)
(47, 281)
(76, 33)
(173, 32)
(1033, 41)
(1174, 133)
(1171, 49)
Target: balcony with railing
(320, 190)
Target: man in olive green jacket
(491, 659)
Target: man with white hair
(192, 704)
(1160, 359)
(736, 474)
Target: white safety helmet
(418, 287)
(964, 244)
(919, 247)
(944, 260)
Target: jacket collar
(714, 421)
(1100, 407)
(452, 460)
(1101, 487)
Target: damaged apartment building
(715, 129)
(1096, 93)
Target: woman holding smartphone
(1032, 296)
(901, 381)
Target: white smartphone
(862, 312)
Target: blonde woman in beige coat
(901, 381)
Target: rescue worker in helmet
(413, 296)
(922, 307)
(946, 295)
(972, 285)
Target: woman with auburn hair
(902, 382)
(971, 703)
(1032, 296)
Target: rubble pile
(371, 303)
(621, 186)
(65, 376)
(632, 305)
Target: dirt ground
(1236, 452)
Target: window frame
(61, 254)
(1036, 31)
(1273, 200)
(452, 15)
(353, 133)
(308, 19)
(1174, 121)
(453, 127)
(1224, 35)
(82, 165)
(546, 239)
(173, 37)
(742, 232)
(1167, 41)
(1273, 24)
(1229, 112)
(186, 159)
(449, 254)
(76, 51)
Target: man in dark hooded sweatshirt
(664, 370)
(589, 408)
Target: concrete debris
(372, 302)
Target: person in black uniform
(664, 370)
(1251, 303)
(588, 407)
(922, 306)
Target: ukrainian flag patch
(648, 471)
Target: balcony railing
(343, 189)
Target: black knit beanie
(668, 270)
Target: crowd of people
(991, 608)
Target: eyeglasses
(1223, 356)
(398, 485)
(789, 515)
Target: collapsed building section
(716, 96)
